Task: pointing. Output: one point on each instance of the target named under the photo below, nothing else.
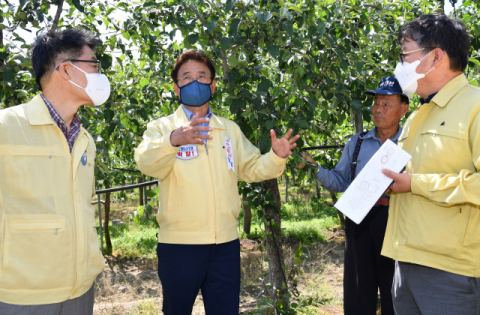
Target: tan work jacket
(49, 249)
(199, 201)
(437, 224)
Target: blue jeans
(214, 269)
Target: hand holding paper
(401, 182)
(371, 182)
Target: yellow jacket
(199, 201)
(438, 223)
(49, 249)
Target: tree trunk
(140, 190)
(340, 215)
(108, 241)
(317, 189)
(275, 245)
(247, 218)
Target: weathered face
(192, 69)
(387, 111)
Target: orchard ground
(130, 285)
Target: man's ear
(213, 85)
(405, 107)
(176, 89)
(64, 71)
(438, 56)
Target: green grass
(300, 220)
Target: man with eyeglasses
(198, 158)
(49, 253)
(434, 222)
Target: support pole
(145, 196)
(100, 220)
(358, 123)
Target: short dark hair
(439, 31)
(192, 54)
(51, 46)
(404, 99)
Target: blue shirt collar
(429, 98)
(190, 114)
(371, 134)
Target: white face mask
(407, 75)
(98, 87)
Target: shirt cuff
(275, 158)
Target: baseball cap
(388, 86)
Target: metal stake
(100, 219)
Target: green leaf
(109, 114)
(126, 35)
(288, 27)
(232, 29)
(273, 49)
(303, 124)
(212, 25)
(226, 42)
(7, 74)
(143, 82)
(232, 61)
(229, 5)
(106, 61)
(193, 38)
(357, 106)
(475, 61)
(321, 27)
(264, 85)
(264, 17)
(297, 261)
(77, 5)
(474, 83)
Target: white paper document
(370, 183)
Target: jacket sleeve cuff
(167, 144)
(275, 158)
(419, 185)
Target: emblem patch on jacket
(187, 152)
(229, 152)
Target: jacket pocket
(37, 252)
(437, 229)
(95, 263)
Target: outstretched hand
(401, 182)
(283, 147)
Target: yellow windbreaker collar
(447, 92)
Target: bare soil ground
(131, 286)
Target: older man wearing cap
(365, 269)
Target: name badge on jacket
(187, 152)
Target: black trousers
(365, 270)
(214, 269)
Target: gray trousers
(82, 305)
(427, 291)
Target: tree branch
(224, 55)
(373, 6)
(57, 17)
(324, 71)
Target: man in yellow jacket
(198, 157)
(433, 230)
(49, 253)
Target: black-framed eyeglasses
(97, 62)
